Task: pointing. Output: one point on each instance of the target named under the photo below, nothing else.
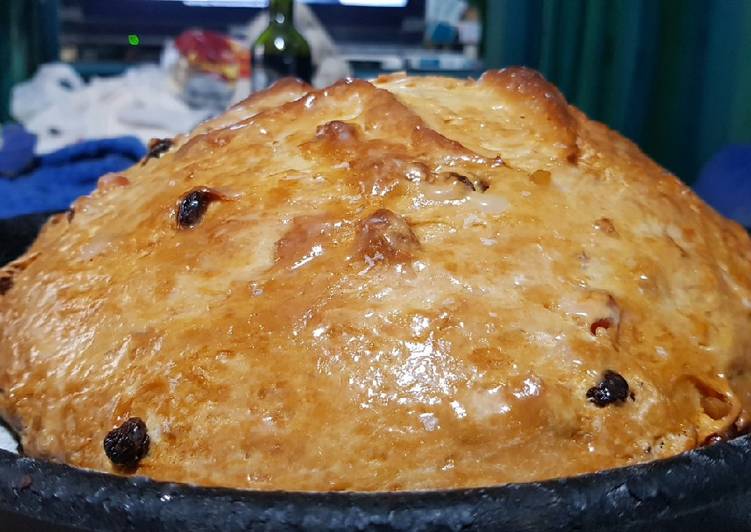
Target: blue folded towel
(57, 178)
(725, 183)
(16, 150)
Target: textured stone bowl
(705, 489)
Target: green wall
(673, 75)
(29, 31)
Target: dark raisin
(337, 131)
(193, 205)
(712, 439)
(602, 323)
(464, 180)
(157, 148)
(126, 445)
(482, 185)
(6, 283)
(612, 389)
(606, 226)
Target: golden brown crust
(415, 283)
(283, 91)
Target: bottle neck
(280, 11)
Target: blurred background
(672, 75)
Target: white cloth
(61, 109)
(7, 442)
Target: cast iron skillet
(705, 489)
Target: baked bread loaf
(410, 283)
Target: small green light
(133, 39)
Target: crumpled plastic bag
(51, 83)
(142, 102)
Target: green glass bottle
(280, 50)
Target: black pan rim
(689, 487)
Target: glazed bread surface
(409, 283)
